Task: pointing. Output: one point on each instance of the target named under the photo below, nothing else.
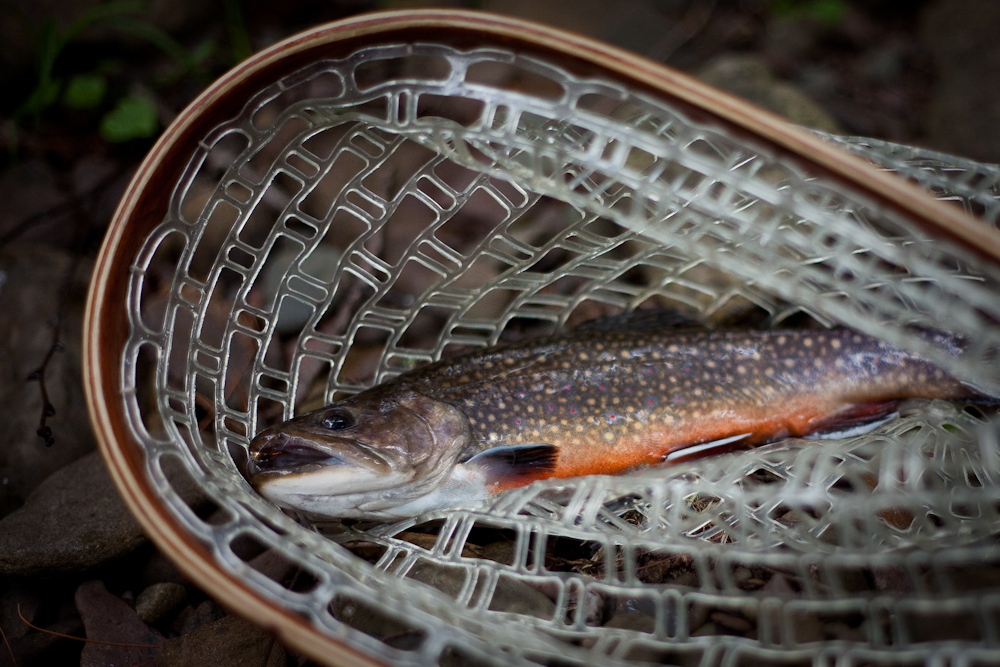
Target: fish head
(360, 457)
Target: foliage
(829, 12)
(123, 114)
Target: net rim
(141, 208)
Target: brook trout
(594, 401)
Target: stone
(964, 109)
(121, 638)
(73, 522)
(191, 618)
(227, 642)
(516, 597)
(159, 600)
(40, 286)
(751, 79)
(632, 620)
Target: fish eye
(337, 420)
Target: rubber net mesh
(367, 215)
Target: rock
(192, 618)
(517, 597)
(74, 521)
(633, 620)
(112, 623)
(19, 601)
(750, 78)
(227, 642)
(159, 600)
(964, 110)
(34, 281)
(447, 579)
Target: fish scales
(594, 401)
(614, 401)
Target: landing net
(368, 215)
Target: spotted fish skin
(589, 402)
(611, 401)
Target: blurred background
(89, 85)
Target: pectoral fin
(508, 467)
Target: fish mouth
(284, 454)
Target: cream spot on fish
(493, 436)
(625, 354)
(698, 391)
(608, 436)
(536, 433)
(710, 363)
(769, 371)
(818, 362)
(672, 349)
(856, 339)
(554, 428)
(835, 343)
(808, 342)
(782, 340)
(583, 356)
(741, 369)
(789, 363)
(491, 417)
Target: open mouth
(281, 454)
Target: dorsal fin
(656, 319)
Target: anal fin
(855, 419)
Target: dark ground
(89, 85)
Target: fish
(606, 399)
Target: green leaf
(85, 91)
(134, 117)
(41, 98)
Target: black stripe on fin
(516, 464)
(646, 319)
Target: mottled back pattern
(615, 400)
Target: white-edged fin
(851, 431)
(704, 447)
(515, 464)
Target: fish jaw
(361, 457)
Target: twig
(9, 649)
(80, 639)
